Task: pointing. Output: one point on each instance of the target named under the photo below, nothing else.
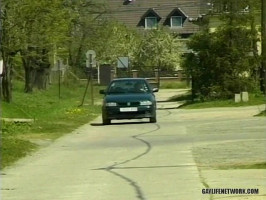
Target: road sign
(1, 67)
(90, 52)
(90, 63)
(91, 55)
(93, 62)
(122, 62)
(87, 63)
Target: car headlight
(145, 103)
(111, 104)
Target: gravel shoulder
(229, 144)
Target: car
(129, 98)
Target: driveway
(173, 159)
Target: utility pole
(263, 45)
(59, 78)
(91, 78)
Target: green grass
(173, 85)
(13, 111)
(254, 99)
(183, 97)
(262, 114)
(245, 166)
(12, 149)
(53, 117)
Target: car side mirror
(102, 92)
(155, 89)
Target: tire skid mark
(137, 188)
(167, 110)
(136, 137)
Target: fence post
(156, 73)
(180, 75)
(112, 74)
(135, 73)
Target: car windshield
(128, 86)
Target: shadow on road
(118, 123)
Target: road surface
(135, 160)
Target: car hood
(129, 97)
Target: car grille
(128, 104)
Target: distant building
(178, 15)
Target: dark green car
(129, 98)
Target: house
(178, 15)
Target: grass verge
(173, 85)
(53, 117)
(262, 114)
(245, 166)
(12, 149)
(254, 100)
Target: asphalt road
(135, 160)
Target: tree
(30, 29)
(158, 48)
(8, 47)
(220, 64)
(43, 24)
(83, 29)
(114, 40)
(253, 12)
(263, 36)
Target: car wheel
(153, 120)
(106, 121)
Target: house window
(151, 22)
(176, 21)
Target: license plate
(129, 109)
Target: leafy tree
(36, 31)
(220, 64)
(155, 48)
(83, 29)
(221, 6)
(115, 40)
(158, 48)
(30, 29)
(43, 24)
(231, 9)
(8, 47)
